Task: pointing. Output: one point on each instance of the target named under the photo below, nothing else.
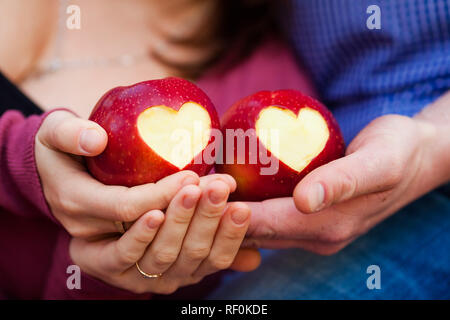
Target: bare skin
(355, 199)
(109, 29)
(390, 163)
(193, 205)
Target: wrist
(435, 150)
(437, 115)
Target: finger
(328, 231)
(130, 247)
(200, 236)
(318, 247)
(166, 247)
(229, 180)
(230, 234)
(279, 219)
(257, 243)
(117, 203)
(89, 228)
(66, 132)
(246, 260)
(275, 219)
(365, 171)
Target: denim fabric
(412, 249)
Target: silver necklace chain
(57, 63)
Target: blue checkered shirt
(364, 73)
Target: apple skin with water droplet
(244, 114)
(128, 160)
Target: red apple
(155, 128)
(284, 135)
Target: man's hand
(392, 162)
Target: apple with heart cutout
(155, 128)
(272, 139)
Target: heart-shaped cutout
(176, 136)
(294, 139)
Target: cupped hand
(84, 206)
(388, 165)
(198, 235)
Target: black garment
(12, 98)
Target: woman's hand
(198, 235)
(391, 162)
(84, 206)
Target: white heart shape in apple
(294, 139)
(176, 136)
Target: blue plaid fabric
(361, 73)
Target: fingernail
(189, 201)
(153, 223)
(217, 197)
(240, 216)
(230, 179)
(189, 180)
(90, 139)
(316, 197)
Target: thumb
(64, 131)
(364, 171)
